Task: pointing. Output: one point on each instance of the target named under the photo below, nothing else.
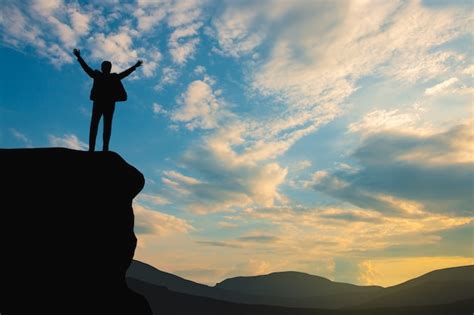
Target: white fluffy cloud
(54, 28)
(19, 29)
(65, 20)
(70, 141)
(169, 75)
(311, 72)
(148, 221)
(184, 39)
(80, 21)
(441, 87)
(395, 120)
(228, 180)
(182, 51)
(233, 31)
(198, 107)
(182, 17)
(158, 109)
(116, 47)
(149, 17)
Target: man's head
(106, 66)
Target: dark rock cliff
(66, 232)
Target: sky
(328, 137)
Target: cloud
(200, 70)
(198, 107)
(182, 51)
(227, 225)
(16, 28)
(70, 141)
(169, 76)
(368, 274)
(19, 31)
(322, 232)
(116, 47)
(350, 215)
(185, 18)
(158, 109)
(235, 31)
(154, 199)
(243, 241)
(219, 244)
(469, 70)
(80, 21)
(150, 17)
(406, 174)
(64, 19)
(301, 165)
(152, 222)
(46, 7)
(258, 238)
(441, 87)
(314, 75)
(229, 180)
(53, 28)
(395, 120)
(21, 137)
(185, 12)
(185, 31)
(180, 178)
(151, 61)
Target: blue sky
(329, 137)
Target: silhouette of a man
(106, 90)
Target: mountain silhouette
(331, 297)
(146, 273)
(149, 274)
(304, 289)
(436, 287)
(167, 302)
(67, 234)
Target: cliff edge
(66, 232)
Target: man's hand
(77, 52)
(138, 64)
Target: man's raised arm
(130, 70)
(83, 64)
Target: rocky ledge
(66, 232)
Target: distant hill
(149, 274)
(144, 272)
(297, 289)
(436, 287)
(167, 302)
(292, 284)
(331, 295)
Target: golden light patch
(389, 272)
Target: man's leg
(96, 113)
(108, 115)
